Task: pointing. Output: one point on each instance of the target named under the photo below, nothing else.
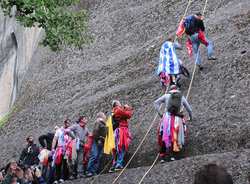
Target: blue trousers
(96, 155)
(196, 43)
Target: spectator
(61, 139)
(121, 134)
(13, 175)
(48, 138)
(99, 134)
(212, 174)
(29, 155)
(79, 131)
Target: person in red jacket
(121, 134)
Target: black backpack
(115, 123)
(174, 103)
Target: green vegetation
(7, 116)
(62, 25)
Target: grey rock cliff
(17, 47)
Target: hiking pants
(196, 43)
(80, 159)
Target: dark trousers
(170, 151)
(51, 171)
(62, 170)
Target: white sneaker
(61, 181)
(55, 182)
(172, 159)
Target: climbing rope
(97, 176)
(156, 114)
(156, 158)
(187, 93)
(135, 150)
(189, 2)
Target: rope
(191, 82)
(138, 146)
(144, 118)
(144, 176)
(189, 2)
(97, 176)
(153, 120)
(135, 150)
(156, 158)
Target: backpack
(189, 23)
(174, 103)
(115, 123)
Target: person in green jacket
(14, 174)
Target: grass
(7, 116)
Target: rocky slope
(120, 64)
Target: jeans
(120, 155)
(196, 43)
(96, 155)
(51, 171)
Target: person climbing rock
(172, 126)
(61, 139)
(46, 143)
(29, 155)
(121, 134)
(99, 134)
(169, 66)
(195, 28)
(79, 131)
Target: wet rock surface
(120, 64)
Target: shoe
(112, 169)
(211, 58)
(94, 174)
(72, 178)
(172, 159)
(61, 181)
(81, 175)
(89, 174)
(162, 161)
(55, 182)
(119, 167)
(200, 67)
(77, 177)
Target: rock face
(17, 47)
(120, 64)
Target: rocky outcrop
(18, 45)
(120, 64)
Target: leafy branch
(62, 25)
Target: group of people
(172, 125)
(64, 152)
(170, 67)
